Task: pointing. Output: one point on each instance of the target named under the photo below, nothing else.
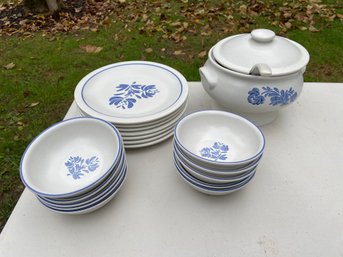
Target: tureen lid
(261, 53)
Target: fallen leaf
(178, 52)
(149, 50)
(33, 104)
(91, 48)
(202, 54)
(313, 29)
(9, 66)
(288, 25)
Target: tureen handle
(209, 78)
(261, 69)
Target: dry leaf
(178, 52)
(91, 48)
(149, 50)
(313, 29)
(33, 104)
(9, 66)
(288, 25)
(202, 54)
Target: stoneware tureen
(255, 74)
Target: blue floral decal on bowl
(78, 167)
(128, 95)
(276, 96)
(216, 152)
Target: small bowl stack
(75, 166)
(217, 152)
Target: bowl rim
(85, 188)
(227, 114)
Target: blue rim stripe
(126, 64)
(120, 144)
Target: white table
(293, 206)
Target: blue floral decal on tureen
(128, 95)
(216, 152)
(276, 96)
(78, 167)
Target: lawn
(40, 68)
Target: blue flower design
(128, 94)
(218, 151)
(255, 97)
(276, 96)
(77, 166)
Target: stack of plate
(217, 152)
(75, 166)
(144, 100)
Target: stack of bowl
(217, 152)
(75, 166)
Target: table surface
(293, 206)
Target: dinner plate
(149, 143)
(131, 92)
(146, 125)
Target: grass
(39, 89)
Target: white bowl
(219, 139)
(95, 205)
(207, 190)
(210, 178)
(220, 173)
(210, 185)
(71, 157)
(90, 195)
(96, 199)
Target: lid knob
(262, 35)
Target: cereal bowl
(71, 157)
(219, 139)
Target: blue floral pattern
(276, 96)
(78, 167)
(128, 95)
(218, 151)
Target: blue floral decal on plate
(216, 152)
(128, 95)
(78, 167)
(276, 96)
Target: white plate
(139, 127)
(149, 143)
(131, 92)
